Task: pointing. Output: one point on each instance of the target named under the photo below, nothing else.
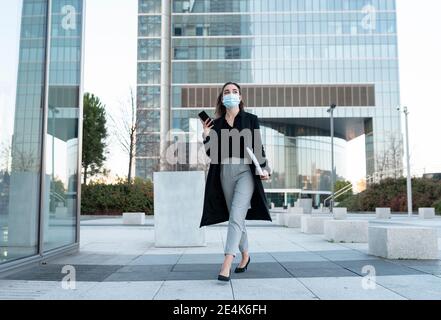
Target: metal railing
(376, 177)
(338, 193)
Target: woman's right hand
(208, 124)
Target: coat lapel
(242, 120)
(242, 123)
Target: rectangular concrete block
(293, 220)
(313, 225)
(349, 231)
(340, 213)
(382, 213)
(403, 242)
(426, 213)
(178, 206)
(306, 204)
(281, 218)
(296, 210)
(134, 218)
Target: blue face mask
(231, 101)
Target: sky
(110, 71)
(110, 62)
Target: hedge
(392, 193)
(114, 199)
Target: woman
(233, 191)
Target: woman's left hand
(265, 175)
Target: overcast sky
(110, 70)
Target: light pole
(54, 111)
(331, 111)
(409, 177)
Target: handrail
(349, 186)
(58, 196)
(376, 176)
(338, 193)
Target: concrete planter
(178, 205)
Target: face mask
(231, 101)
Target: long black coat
(215, 206)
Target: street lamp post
(409, 177)
(331, 111)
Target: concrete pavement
(121, 262)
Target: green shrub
(350, 202)
(437, 206)
(393, 193)
(114, 199)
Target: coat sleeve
(206, 140)
(207, 145)
(261, 157)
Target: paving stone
(270, 289)
(347, 288)
(414, 287)
(195, 290)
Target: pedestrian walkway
(121, 262)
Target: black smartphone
(204, 116)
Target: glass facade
(149, 87)
(40, 98)
(293, 58)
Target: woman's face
(231, 89)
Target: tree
(94, 136)
(389, 161)
(341, 184)
(124, 130)
(5, 153)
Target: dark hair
(221, 110)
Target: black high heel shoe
(224, 278)
(240, 270)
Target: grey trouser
(238, 186)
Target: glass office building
(40, 130)
(293, 58)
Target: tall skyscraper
(293, 58)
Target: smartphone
(204, 116)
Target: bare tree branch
(125, 129)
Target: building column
(165, 112)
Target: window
(232, 52)
(178, 31)
(199, 31)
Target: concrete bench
(296, 210)
(134, 218)
(403, 242)
(281, 218)
(426, 213)
(293, 220)
(306, 204)
(350, 231)
(340, 213)
(313, 224)
(382, 213)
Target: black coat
(215, 207)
